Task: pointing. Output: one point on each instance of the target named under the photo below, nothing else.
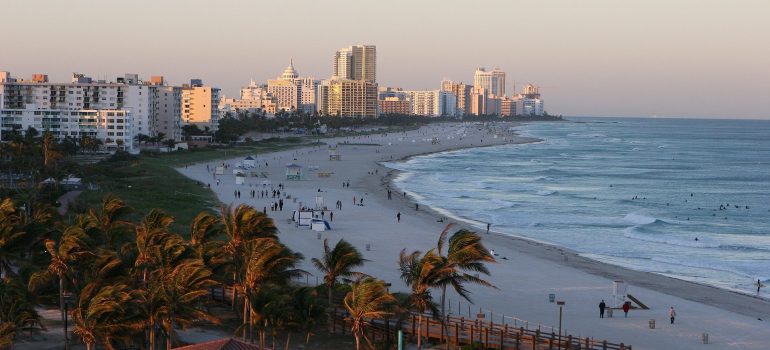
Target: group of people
(627, 307)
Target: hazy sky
(695, 58)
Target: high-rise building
(462, 94)
(479, 101)
(348, 98)
(357, 62)
(82, 108)
(492, 81)
(167, 111)
(200, 106)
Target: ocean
(683, 198)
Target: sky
(668, 58)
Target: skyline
(688, 59)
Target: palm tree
(464, 253)
(368, 299)
(11, 236)
(337, 263)
(421, 273)
(105, 312)
(308, 309)
(73, 246)
(16, 310)
(181, 290)
(108, 219)
(240, 225)
(267, 261)
(151, 232)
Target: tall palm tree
(109, 220)
(16, 310)
(368, 299)
(181, 290)
(105, 312)
(421, 273)
(74, 245)
(464, 253)
(241, 225)
(11, 236)
(267, 261)
(338, 263)
(308, 310)
(151, 233)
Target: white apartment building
(491, 81)
(432, 103)
(76, 109)
(358, 62)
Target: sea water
(688, 199)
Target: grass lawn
(150, 181)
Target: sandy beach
(524, 279)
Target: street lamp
(561, 307)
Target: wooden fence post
(550, 342)
(604, 345)
(569, 342)
(502, 338)
(486, 337)
(457, 334)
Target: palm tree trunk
(245, 316)
(330, 316)
(444, 328)
(358, 342)
(89, 346)
(419, 332)
(63, 313)
(307, 338)
(288, 340)
(152, 334)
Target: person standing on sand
(398, 217)
(759, 285)
(602, 306)
(672, 314)
(626, 307)
(488, 228)
(331, 216)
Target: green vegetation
(150, 181)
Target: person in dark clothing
(331, 216)
(398, 216)
(602, 306)
(626, 307)
(488, 227)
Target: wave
(640, 219)
(633, 233)
(706, 265)
(503, 203)
(543, 178)
(545, 192)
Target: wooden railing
(465, 332)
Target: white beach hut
(249, 162)
(293, 172)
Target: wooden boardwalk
(465, 332)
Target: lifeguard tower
(334, 154)
(293, 172)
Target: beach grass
(150, 180)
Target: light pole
(561, 306)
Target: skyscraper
(357, 62)
(493, 81)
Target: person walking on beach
(488, 228)
(398, 216)
(672, 314)
(602, 306)
(626, 307)
(331, 216)
(759, 285)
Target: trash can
(705, 338)
(609, 312)
(652, 323)
(551, 297)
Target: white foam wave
(639, 219)
(632, 233)
(545, 192)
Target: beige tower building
(200, 106)
(348, 98)
(492, 81)
(462, 93)
(357, 62)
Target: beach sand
(532, 270)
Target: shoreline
(559, 254)
(524, 279)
